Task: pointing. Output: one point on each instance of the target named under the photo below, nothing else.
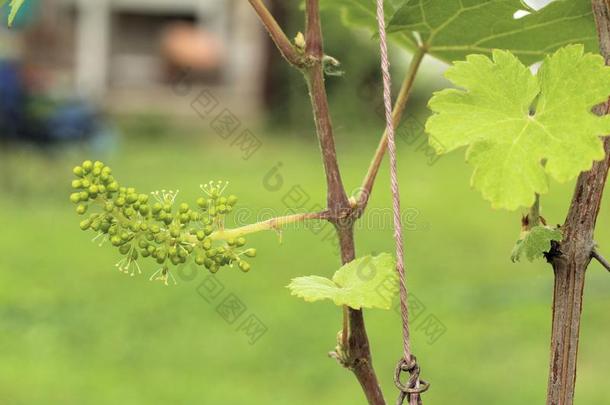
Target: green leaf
(15, 5)
(368, 282)
(535, 242)
(511, 148)
(452, 29)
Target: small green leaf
(368, 282)
(513, 122)
(535, 242)
(15, 5)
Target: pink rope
(398, 233)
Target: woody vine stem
(354, 351)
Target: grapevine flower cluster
(157, 228)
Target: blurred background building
(129, 54)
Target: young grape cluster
(157, 227)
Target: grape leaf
(512, 149)
(535, 242)
(368, 282)
(452, 29)
(15, 5)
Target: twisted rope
(408, 363)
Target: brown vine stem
(399, 107)
(356, 356)
(571, 257)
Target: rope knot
(414, 385)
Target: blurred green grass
(74, 330)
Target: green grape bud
(119, 202)
(81, 209)
(168, 219)
(143, 226)
(244, 266)
(84, 196)
(222, 208)
(155, 229)
(124, 249)
(144, 210)
(84, 225)
(200, 260)
(208, 230)
(214, 268)
(212, 211)
(211, 253)
(208, 263)
(240, 241)
(98, 164)
(184, 207)
(129, 212)
(143, 198)
(194, 216)
(87, 166)
(116, 240)
(101, 188)
(207, 244)
(250, 252)
(202, 202)
(145, 253)
(78, 171)
(130, 190)
(93, 189)
(172, 251)
(77, 183)
(222, 200)
(113, 187)
(75, 197)
(182, 253)
(85, 183)
(132, 198)
(156, 208)
(200, 235)
(174, 232)
(96, 171)
(232, 200)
